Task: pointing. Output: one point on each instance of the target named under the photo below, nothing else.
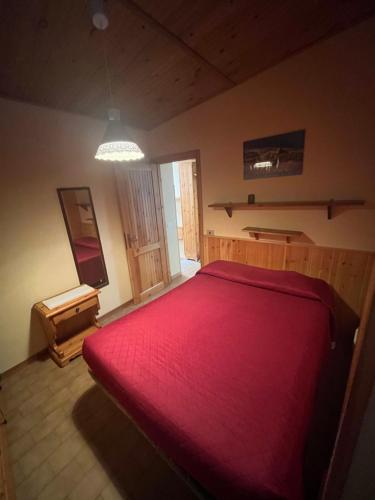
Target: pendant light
(116, 145)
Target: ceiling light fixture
(98, 16)
(116, 145)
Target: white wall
(41, 150)
(177, 192)
(328, 90)
(176, 179)
(169, 203)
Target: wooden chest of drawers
(67, 325)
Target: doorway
(179, 182)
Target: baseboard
(109, 313)
(38, 355)
(176, 275)
(44, 352)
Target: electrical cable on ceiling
(116, 145)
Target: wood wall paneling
(347, 271)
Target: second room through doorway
(180, 201)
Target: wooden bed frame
(351, 274)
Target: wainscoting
(347, 271)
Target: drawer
(76, 309)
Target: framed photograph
(274, 156)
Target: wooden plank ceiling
(165, 56)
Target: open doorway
(181, 214)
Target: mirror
(80, 221)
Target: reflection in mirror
(80, 221)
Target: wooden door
(189, 208)
(141, 211)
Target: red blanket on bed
(221, 374)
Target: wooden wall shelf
(257, 231)
(329, 205)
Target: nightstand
(67, 319)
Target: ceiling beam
(160, 28)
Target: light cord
(107, 71)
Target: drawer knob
(77, 310)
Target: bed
(221, 374)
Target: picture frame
(274, 156)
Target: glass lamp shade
(116, 146)
(119, 151)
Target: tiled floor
(189, 267)
(67, 440)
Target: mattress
(221, 374)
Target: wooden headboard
(347, 271)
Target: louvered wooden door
(141, 210)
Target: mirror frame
(60, 192)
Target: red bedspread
(221, 374)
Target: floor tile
(39, 384)
(69, 441)
(18, 475)
(34, 484)
(66, 452)
(12, 401)
(48, 424)
(86, 459)
(111, 493)
(34, 401)
(20, 447)
(90, 485)
(189, 267)
(54, 401)
(20, 424)
(63, 483)
(34, 457)
(65, 429)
